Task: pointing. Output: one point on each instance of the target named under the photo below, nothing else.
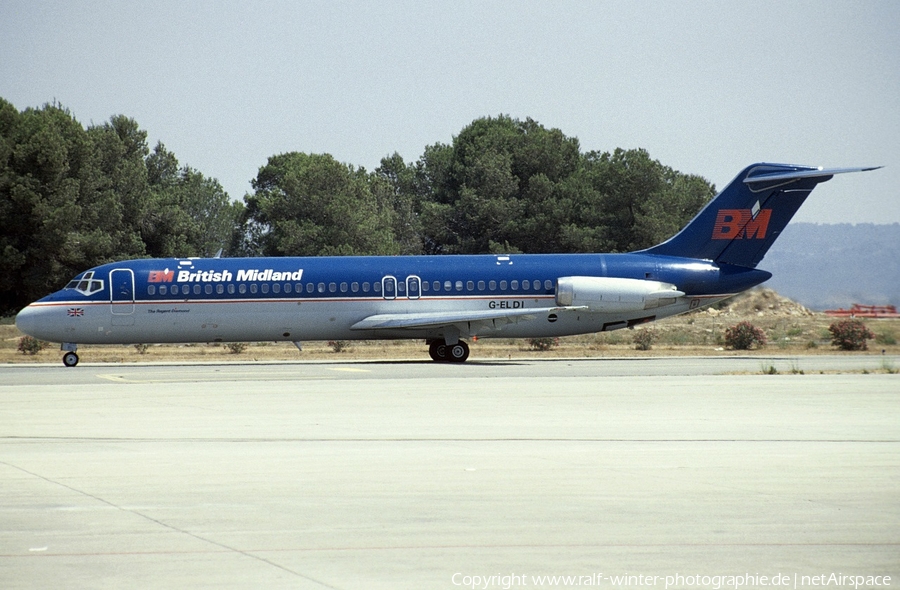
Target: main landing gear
(442, 352)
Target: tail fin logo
(741, 224)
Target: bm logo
(741, 224)
(161, 276)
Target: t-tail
(744, 220)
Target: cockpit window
(86, 284)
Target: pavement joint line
(225, 548)
(70, 439)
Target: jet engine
(608, 294)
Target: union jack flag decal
(76, 312)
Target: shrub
(542, 344)
(850, 335)
(236, 347)
(744, 335)
(141, 348)
(887, 338)
(643, 339)
(339, 345)
(30, 345)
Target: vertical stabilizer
(743, 221)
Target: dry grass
(790, 327)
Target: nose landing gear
(70, 359)
(442, 352)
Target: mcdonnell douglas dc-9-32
(439, 299)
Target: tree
(398, 187)
(188, 214)
(311, 204)
(72, 198)
(516, 186)
(641, 202)
(59, 205)
(481, 185)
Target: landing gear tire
(442, 352)
(70, 359)
(458, 353)
(438, 352)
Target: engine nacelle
(608, 294)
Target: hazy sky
(706, 87)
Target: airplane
(440, 299)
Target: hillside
(831, 266)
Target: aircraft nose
(27, 321)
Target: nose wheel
(442, 352)
(70, 359)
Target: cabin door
(121, 291)
(389, 287)
(413, 287)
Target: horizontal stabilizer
(768, 180)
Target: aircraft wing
(491, 319)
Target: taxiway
(403, 475)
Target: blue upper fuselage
(393, 276)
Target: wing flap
(436, 319)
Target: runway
(414, 475)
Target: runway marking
(245, 440)
(213, 378)
(251, 552)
